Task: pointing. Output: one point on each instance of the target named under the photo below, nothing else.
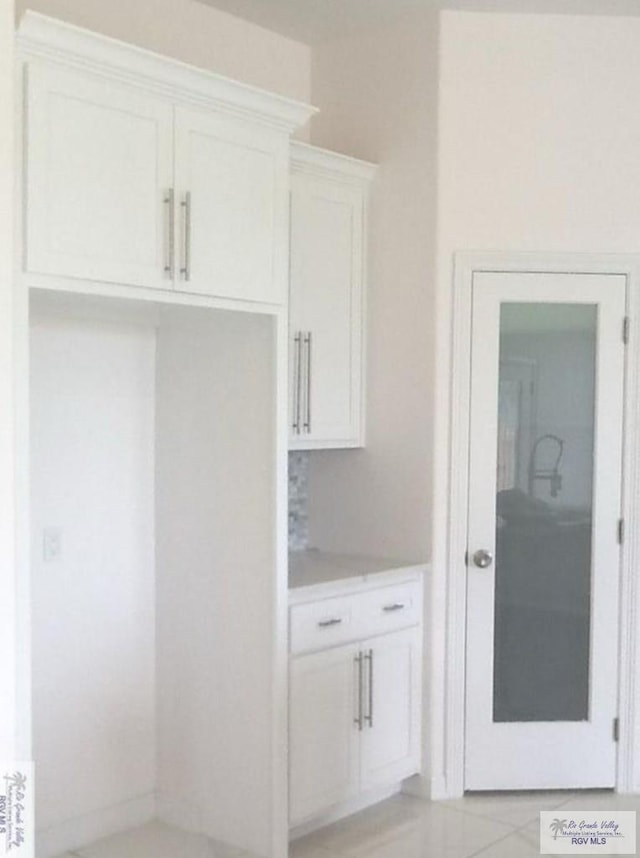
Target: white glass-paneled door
(547, 375)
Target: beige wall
(194, 33)
(8, 695)
(377, 95)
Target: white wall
(377, 96)
(216, 575)
(92, 443)
(194, 33)
(8, 603)
(539, 135)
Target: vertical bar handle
(297, 381)
(307, 422)
(369, 715)
(358, 719)
(170, 247)
(185, 270)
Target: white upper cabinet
(142, 171)
(327, 297)
(99, 160)
(231, 181)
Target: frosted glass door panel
(544, 505)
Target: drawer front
(325, 623)
(387, 609)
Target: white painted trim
(70, 834)
(280, 684)
(51, 39)
(102, 289)
(301, 444)
(10, 609)
(451, 783)
(314, 161)
(628, 775)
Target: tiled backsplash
(298, 501)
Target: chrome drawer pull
(324, 624)
(397, 606)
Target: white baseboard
(340, 811)
(439, 790)
(418, 786)
(73, 833)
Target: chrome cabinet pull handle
(169, 261)
(297, 381)
(369, 716)
(334, 621)
(185, 270)
(307, 423)
(358, 720)
(397, 606)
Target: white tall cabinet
(329, 201)
(154, 238)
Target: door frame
(465, 266)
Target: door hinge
(616, 729)
(626, 324)
(620, 531)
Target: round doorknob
(483, 558)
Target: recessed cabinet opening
(153, 485)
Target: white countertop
(313, 573)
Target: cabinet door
(392, 679)
(232, 181)
(326, 308)
(98, 168)
(323, 733)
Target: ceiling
(316, 21)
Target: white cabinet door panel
(236, 177)
(99, 164)
(391, 736)
(323, 735)
(326, 302)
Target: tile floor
(486, 826)
(156, 840)
(482, 826)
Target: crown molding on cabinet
(315, 161)
(42, 37)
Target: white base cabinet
(324, 755)
(354, 708)
(329, 195)
(390, 739)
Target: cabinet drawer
(325, 623)
(388, 609)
